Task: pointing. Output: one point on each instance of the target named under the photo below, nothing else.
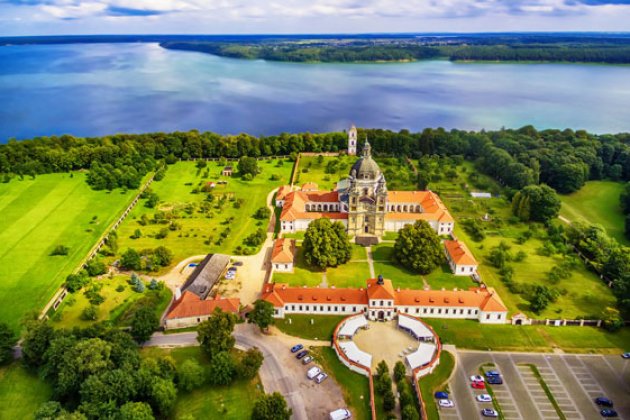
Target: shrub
(75, 282)
(90, 313)
(60, 250)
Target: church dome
(366, 167)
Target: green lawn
(115, 305)
(356, 387)
(352, 274)
(470, 334)
(302, 274)
(436, 381)
(21, 392)
(201, 228)
(234, 402)
(597, 202)
(37, 215)
(316, 172)
(443, 278)
(321, 328)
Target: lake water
(97, 89)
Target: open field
(469, 334)
(21, 392)
(597, 203)
(321, 328)
(436, 381)
(356, 388)
(233, 402)
(113, 309)
(37, 215)
(201, 222)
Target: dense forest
(561, 159)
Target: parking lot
(573, 380)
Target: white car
(477, 378)
(321, 378)
(313, 372)
(341, 414)
(446, 403)
(484, 398)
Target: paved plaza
(385, 341)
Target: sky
(61, 17)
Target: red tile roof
(486, 299)
(310, 186)
(279, 294)
(282, 192)
(433, 208)
(283, 251)
(295, 205)
(459, 253)
(189, 305)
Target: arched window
(405, 208)
(325, 207)
(398, 207)
(365, 191)
(418, 210)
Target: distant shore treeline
(298, 52)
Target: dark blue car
(297, 347)
(441, 395)
(608, 412)
(301, 354)
(492, 373)
(603, 401)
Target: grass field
(356, 388)
(436, 381)
(21, 393)
(597, 202)
(115, 305)
(470, 334)
(321, 328)
(233, 402)
(201, 228)
(37, 215)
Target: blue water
(97, 89)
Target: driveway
(280, 371)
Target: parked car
(232, 269)
(478, 385)
(484, 398)
(488, 412)
(301, 354)
(340, 414)
(296, 348)
(446, 403)
(495, 380)
(307, 360)
(476, 378)
(238, 263)
(492, 373)
(229, 277)
(313, 372)
(321, 378)
(603, 401)
(441, 395)
(626, 355)
(608, 412)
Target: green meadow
(597, 203)
(37, 215)
(201, 227)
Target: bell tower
(352, 141)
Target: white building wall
(444, 228)
(492, 317)
(396, 225)
(440, 312)
(283, 267)
(315, 308)
(463, 270)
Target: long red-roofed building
(189, 310)
(380, 301)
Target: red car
(478, 385)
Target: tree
(130, 260)
(542, 297)
(250, 363)
(409, 413)
(399, 371)
(262, 314)
(418, 247)
(7, 341)
(271, 407)
(262, 213)
(326, 244)
(137, 234)
(135, 411)
(48, 410)
(90, 313)
(35, 343)
(75, 282)
(163, 395)
(144, 323)
(247, 166)
(222, 369)
(538, 203)
(95, 267)
(190, 375)
(60, 250)
(389, 400)
(163, 256)
(215, 334)
(612, 319)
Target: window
(382, 303)
(469, 311)
(343, 309)
(424, 310)
(307, 307)
(275, 312)
(471, 269)
(499, 316)
(431, 310)
(461, 312)
(417, 310)
(440, 311)
(286, 266)
(354, 309)
(487, 316)
(300, 307)
(476, 311)
(198, 319)
(406, 310)
(293, 307)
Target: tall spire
(367, 149)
